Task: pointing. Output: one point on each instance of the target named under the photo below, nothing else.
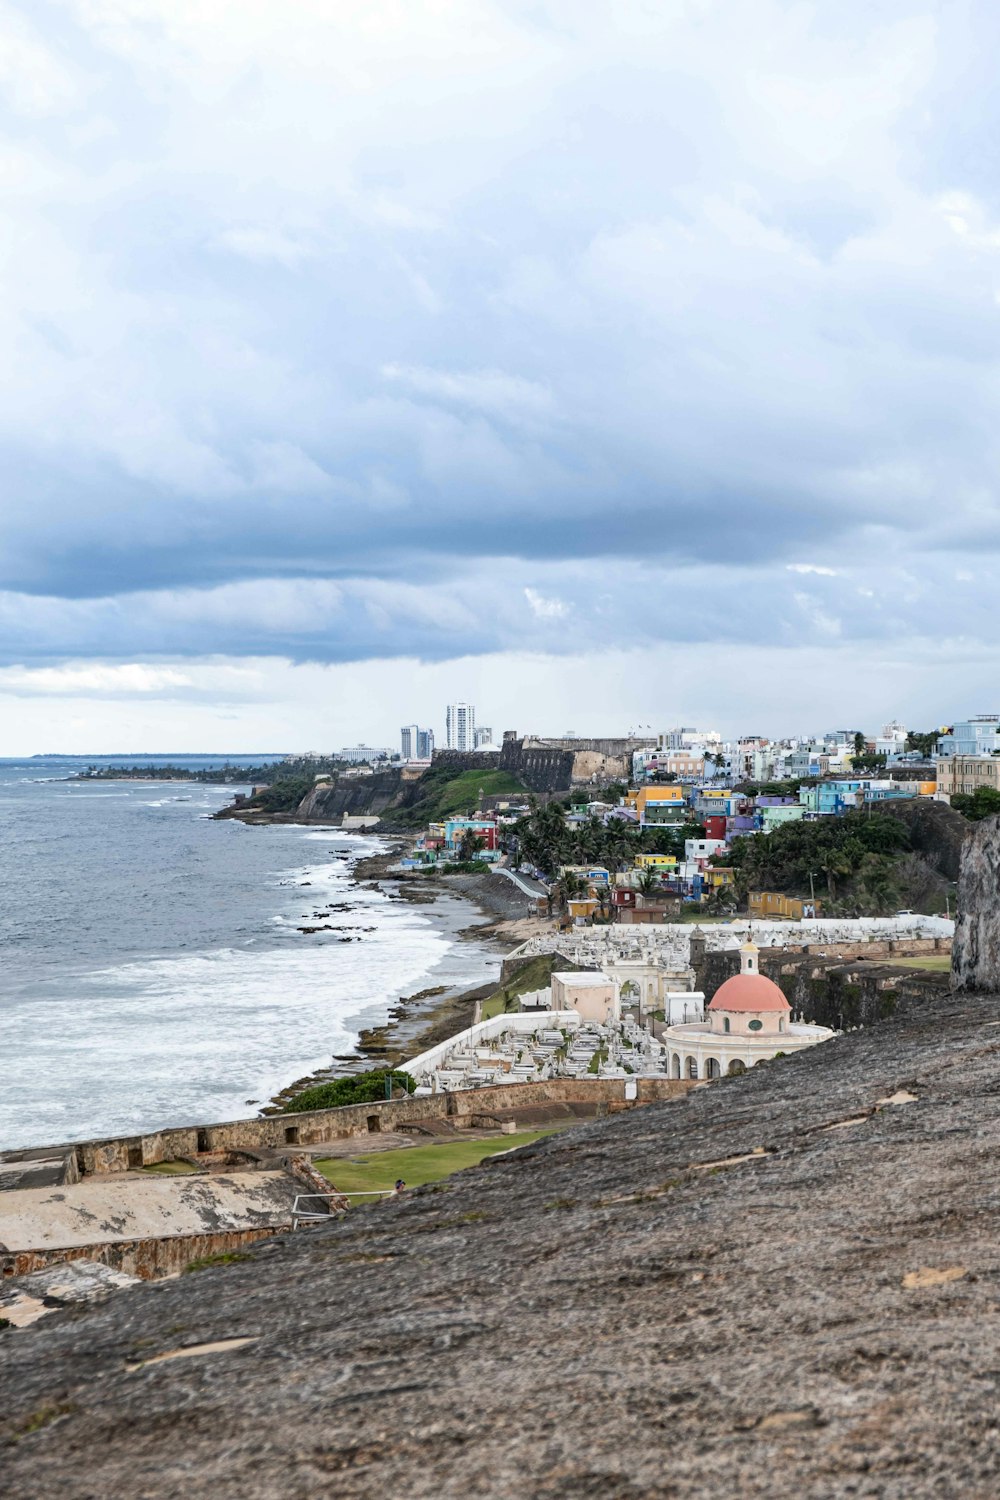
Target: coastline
(432, 1014)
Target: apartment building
(966, 773)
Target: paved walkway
(525, 883)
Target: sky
(602, 362)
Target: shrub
(361, 1088)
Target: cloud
(545, 609)
(507, 396)
(424, 328)
(93, 680)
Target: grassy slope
(418, 1164)
(443, 793)
(937, 963)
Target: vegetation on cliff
(362, 1088)
(444, 793)
(984, 802)
(863, 863)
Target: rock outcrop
(975, 953)
(784, 1286)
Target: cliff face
(937, 832)
(975, 961)
(358, 795)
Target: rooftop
(582, 980)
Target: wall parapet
(314, 1127)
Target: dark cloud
(335, 340)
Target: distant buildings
(416, 743)
(979, 735)
(357, 755)
(892, 741)
(460, 726)
(965, 774)
(482, 737)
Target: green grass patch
(223, 1258)
(418, 1164)
(443, 792)
(936, 963)
(171, 1168)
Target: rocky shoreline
(430, 1015)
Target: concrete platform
(132, 1207)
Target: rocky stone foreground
(787, 1284)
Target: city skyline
(716, 412)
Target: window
(756, 1026)
(725, 1023)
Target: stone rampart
(312, 1127)
(541, 769)
(150, 1259)
(467, 760)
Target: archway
(736, 1066)
(692, 1067)
(675, 1065)
(712, 1068)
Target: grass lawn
(171, 1168)
(418, 1164)
(938, 963)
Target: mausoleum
(748, 1019)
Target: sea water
(152, 970)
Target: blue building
(979, 735)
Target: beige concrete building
(592, 996)
(966, 773)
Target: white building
(460, 726)
(416, 743)
(356, 755)
(482, 738)
(892, 740)
(748, 1021)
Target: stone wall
(148, 1258)
(976, 950)
(467, 760)
(541, 769)
(311, 1127)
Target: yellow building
(773, 904)
(657, 796)
(655, 861)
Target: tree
(982, 803)
(649, 882)
(860, 743)
(922, 742)
(469, 845)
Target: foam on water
(213, 997)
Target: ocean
(151, 967)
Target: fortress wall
(311, 1127)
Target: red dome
(748, 992)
